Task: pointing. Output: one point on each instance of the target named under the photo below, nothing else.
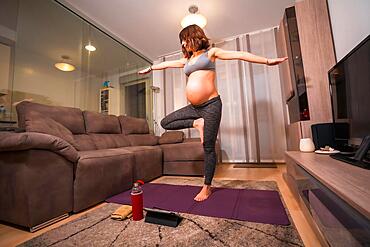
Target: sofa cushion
(69, 117)
(132, 125)
(148, 162)
(104, 141)
(35, 122)
(84, 142)
(102, 153)
(184, 168)
(185, 151)
(143, 140)
(99, 123)
(101, 174)
(171, 137)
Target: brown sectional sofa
(67, 160)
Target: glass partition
(37, 36)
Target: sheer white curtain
(262, 91)
(171, 96)
(252, 125)
(234, 132)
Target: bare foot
(199, 125)
(204, 193)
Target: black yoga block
(162, 217)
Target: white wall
(36, 77)
(350, 21)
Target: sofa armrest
(10, 141)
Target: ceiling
(151, 26)
(57, 38)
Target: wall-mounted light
(194, 18)
(64, 66)
(90, 47)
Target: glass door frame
(148, 99)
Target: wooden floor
(10, 236)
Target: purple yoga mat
(261, 206)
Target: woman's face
(185, 44)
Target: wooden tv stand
(334, 196)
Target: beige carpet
(97, 229)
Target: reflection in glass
(135, 99)
(46, 34)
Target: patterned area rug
(97, 229)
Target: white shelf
(107, 101)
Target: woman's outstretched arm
(164, 65)
(245, 56)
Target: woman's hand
(275, 61)
(145, 71)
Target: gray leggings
(183, 118)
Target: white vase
(306, 145)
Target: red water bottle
(137, 201)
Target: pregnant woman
(204, 110)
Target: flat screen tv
(350, 94)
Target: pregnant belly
(198, 91)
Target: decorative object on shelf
(64, 66)
(106, 84)
(194, 18)
(306, 145)
(327, 152)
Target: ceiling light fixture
(64, 66)
(90, 47)
(194, 18)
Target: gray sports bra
(202, 63)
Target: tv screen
(350, 92)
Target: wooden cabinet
(317, 57)
(331, 195)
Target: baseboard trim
(255, 166)
(49, 222)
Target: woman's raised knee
(164, 123)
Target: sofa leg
(49, 222)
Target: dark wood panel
(285, 78)
(293, 136)
(318, 57)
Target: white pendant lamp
(90, 47)
(194, 18)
